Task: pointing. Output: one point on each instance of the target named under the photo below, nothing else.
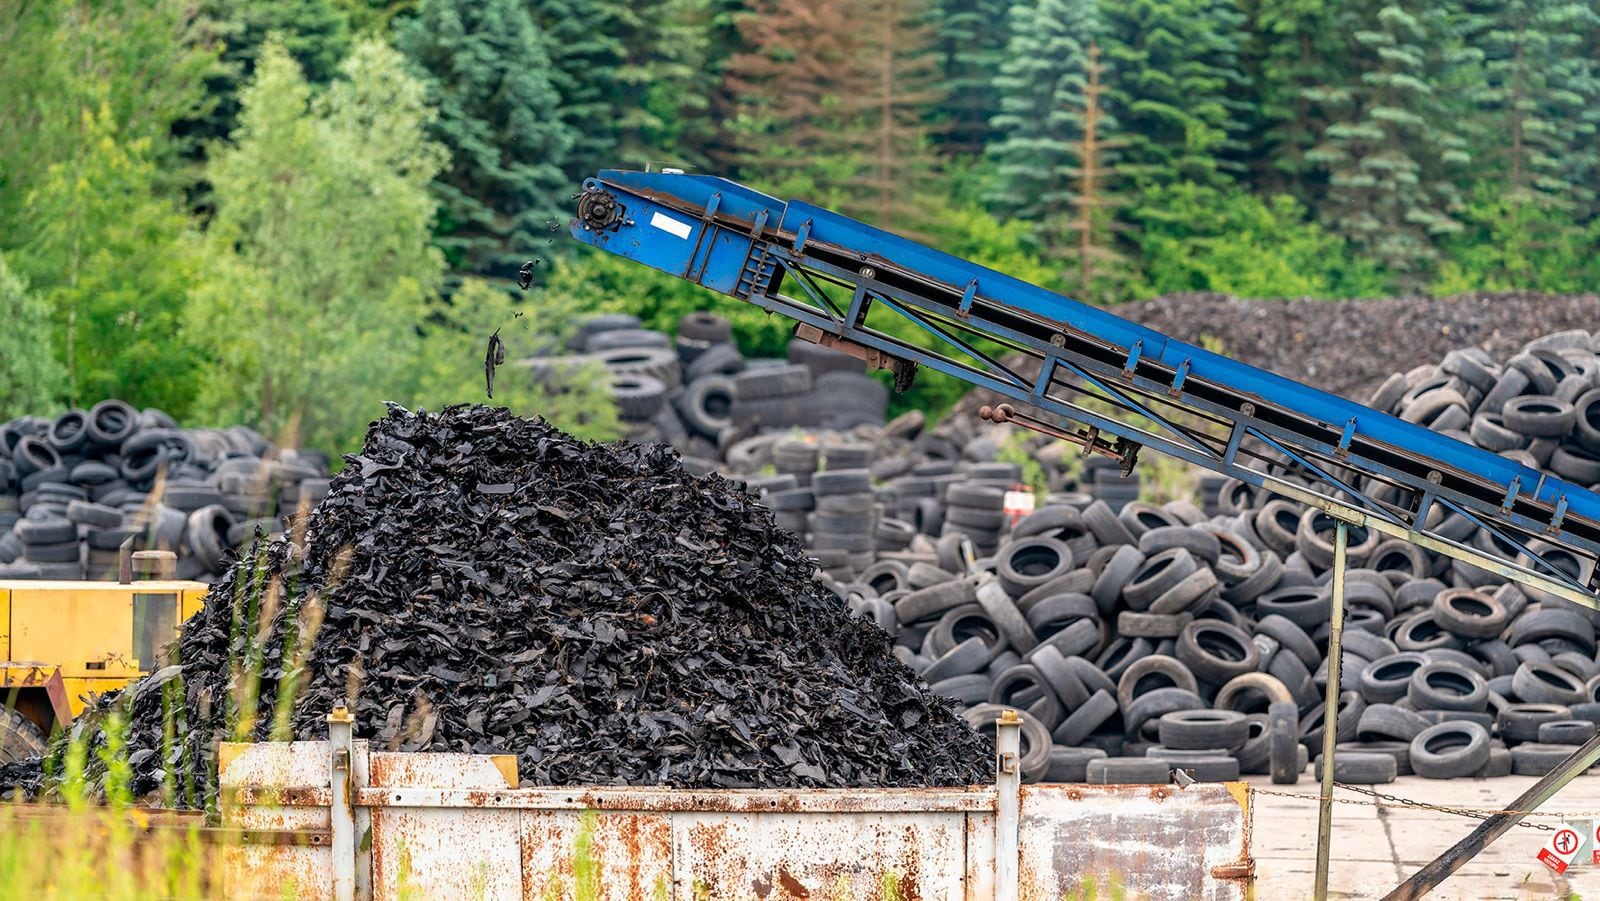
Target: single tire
(1217, 652)
(1150, 673)
(1566, 732)
(936, 600)
(1151, 706)
(1078, 725)
(1002, 610)
(1152, 625)
(1450, 750)
(1291, 637)
(1118, 571)
(1388, 722)
(1362, 768)
(965, 658)
(1031, 562)
(91, 514)
(1469, 614)
(1128, 771)
(1543, 683)
(1203, 730)
(1347, 719)
(46, 531)
(1388, 678)
(1535, 759)
(1447, 685)
(20, 738)
(1158, 574)
(1539, 416)
(65, 552)
(1071, 764)
(1283, 733)
(1233, 694)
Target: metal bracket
(965, 309)
(1133, 359)
(1343, 450)
(1178, 376)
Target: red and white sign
(1018, 504)
(1563, 845)
(1594, 841)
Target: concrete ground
(1374, 848)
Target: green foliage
(1292, 56)
(1196, 238)
(1390, 150)
(1174, 82)
(487, 68)
(1533, 90)
(1040, 118)
(1516, 242)
(126, 59)
(315, 33)
(318, 268)
(112, 257)
(972, 38)
(29, 373)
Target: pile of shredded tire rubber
(488, 584)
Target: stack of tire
(74, 489)
(693, 389)
(1138, 640)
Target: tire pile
(487, 584)
(689, 389)
(1138, 638)
(74, 488)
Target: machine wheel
(19, 737)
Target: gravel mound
(1350, 346)
(486, 583)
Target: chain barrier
(1478, 813)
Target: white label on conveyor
(670, 225)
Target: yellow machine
(63, 641)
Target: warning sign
(1018, 504)
(1594, 841)
(1558, 852)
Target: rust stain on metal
(791, 884)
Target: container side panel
(596, 855)
(1140, 841)
(821, 855)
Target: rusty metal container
(339, 819)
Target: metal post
(343, 827)
(1330, 712)
(1439, 869)
(1007, 803)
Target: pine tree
(832, 103)
(798, 89)
(1535, 89)
(1099, 275)
(1040, 120)
(972, 38)
(486, 67)
(1293, 62)
(630, 74)
(1173, 87)
(316, 34)
(897, 151)
(1390, 154)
